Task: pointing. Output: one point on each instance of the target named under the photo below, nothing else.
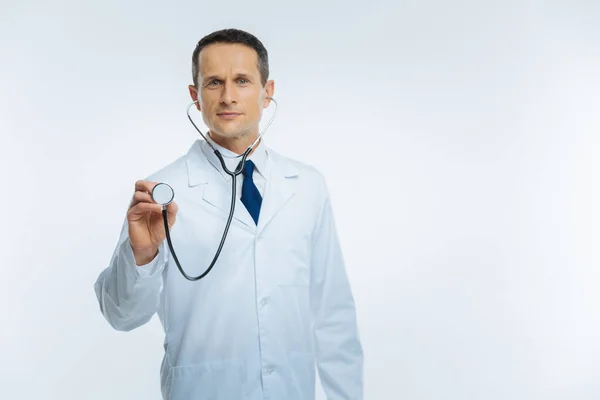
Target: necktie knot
(248, 169)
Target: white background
(460, 141)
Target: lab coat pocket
(218, 380)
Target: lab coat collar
(199, 167)
(258, 157)
(279, 188)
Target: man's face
(231, 96)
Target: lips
(228, 113)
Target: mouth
(228, 115)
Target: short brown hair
(234, 36)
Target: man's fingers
(141, 197)
(172, 208)
(145, 186)
(143, 207)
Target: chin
(225, 133)
(230, 131)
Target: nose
(229, 93)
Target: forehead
(227, 57)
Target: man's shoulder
(309, 179)
(300, 168)
(169, 171)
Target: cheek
(254, 105)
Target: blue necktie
(251, 197)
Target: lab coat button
(264, 302)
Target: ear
(194, 95)
(269, 90)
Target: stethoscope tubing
(238, 170)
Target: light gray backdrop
(460, 141)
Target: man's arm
(339, 354)
(129, 294)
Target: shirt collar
(258, 156)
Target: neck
(237, 144)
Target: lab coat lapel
(218, 189)
(218, 194)
(279, 190)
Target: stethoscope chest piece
(163, 194)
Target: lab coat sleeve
(338, 351)
(129, 295)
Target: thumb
(172, 208)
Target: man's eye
(215, 82)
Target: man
(278, 299)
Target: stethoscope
(164, 194)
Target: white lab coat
(277, 300)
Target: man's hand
(145, 221)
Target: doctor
(278, 302)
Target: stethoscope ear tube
(255, 141)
